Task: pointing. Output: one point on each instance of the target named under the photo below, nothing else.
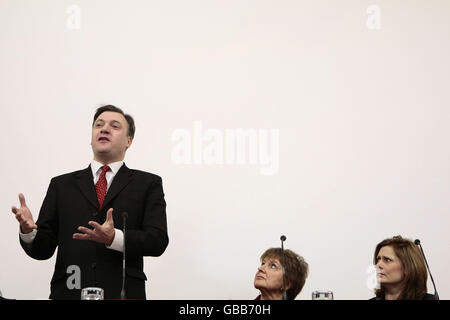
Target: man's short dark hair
(130, 120)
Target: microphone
(436, 295)
(124, 216)
(283, 238)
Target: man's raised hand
(101, 233)
(24, 216)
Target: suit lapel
(120, 181)
(85, 182)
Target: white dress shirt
(96, 167)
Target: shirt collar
(115, 166)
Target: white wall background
(363, 117)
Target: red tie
(101, 186)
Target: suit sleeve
(152, 239)
(45, 242)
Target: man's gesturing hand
(101, 233)
(23, 215)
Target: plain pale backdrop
(363, 119)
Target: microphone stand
(283, 238)
(436, 295)
(122, 293)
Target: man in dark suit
(82, 216)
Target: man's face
(110, 138)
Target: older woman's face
(270, 275)
(390, 268)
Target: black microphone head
(283, 238)
(125, 214)
(417, 242)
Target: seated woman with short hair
(269, 277)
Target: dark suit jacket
(71, 201)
